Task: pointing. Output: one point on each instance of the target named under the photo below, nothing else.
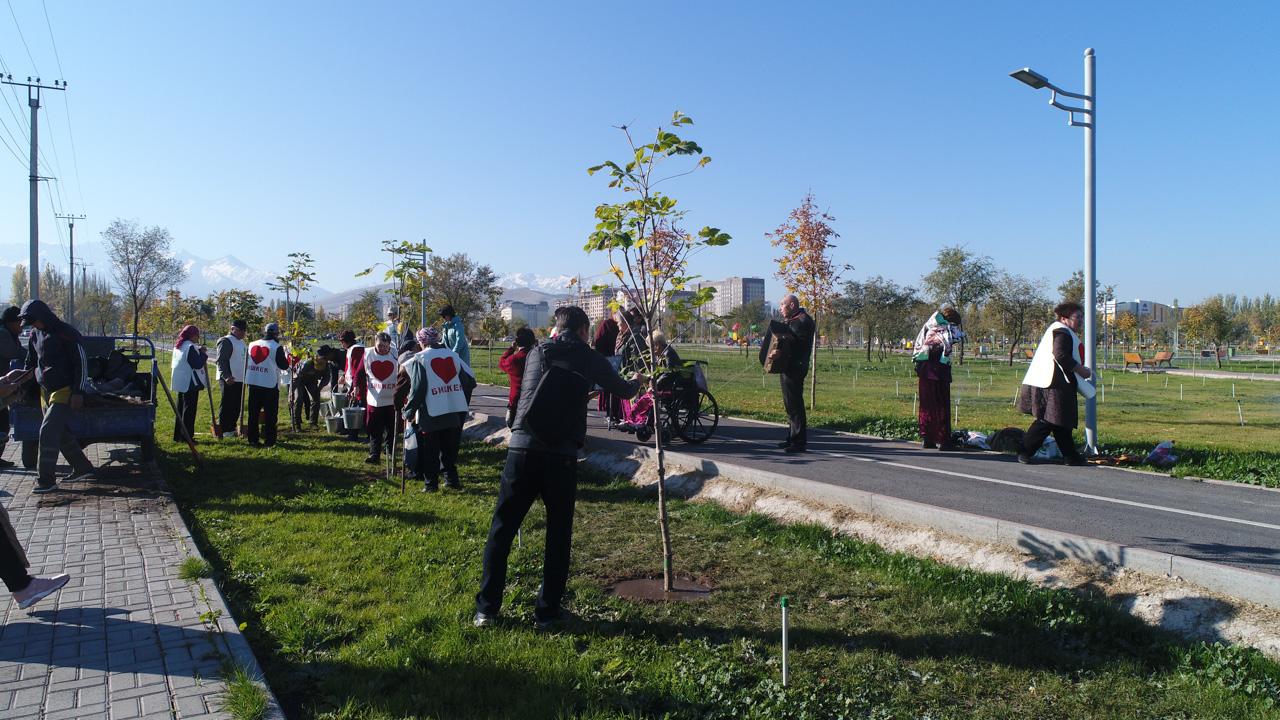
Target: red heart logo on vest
(259, 353)
(443, 366)
(381, 369)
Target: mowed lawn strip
(1136, 410)
(358, 601)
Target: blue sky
(256, 129)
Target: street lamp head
(1030, 77)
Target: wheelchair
(688, 409)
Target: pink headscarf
(188, 333)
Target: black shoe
(453, 483)
(792, 449)
(928, 445)
(430, 486)
(373, 459)
(6, 463)
(482, 620)
(1025, 459)
(547, 624)
(950, 447)
(784, 444)
(42, 489)
(1075, 460)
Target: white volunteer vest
(1040, 374)
(380, 374)
(351, 368)
(181, 372)
(262, 370)
(238, 355)
(444, 381)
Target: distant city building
(1151, 313)
(594, 304)
(731, 293)
(534, 315)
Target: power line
(17, 103)
(14, 15)
(51, 40)
(75, 161)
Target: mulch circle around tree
(649, 589)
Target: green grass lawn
(358, 600)
(1135, 411)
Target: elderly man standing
(233, 358)
(795, 334)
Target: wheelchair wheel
(644, 432)
(697, 422)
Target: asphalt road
(1232, 525)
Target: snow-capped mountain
(553, 285)
(224, 273)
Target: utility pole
(33, 101)
(71, 278)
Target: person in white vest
(380, 365)
(437, 406)
(232, 358)
(1049, 388)
(394, 328)
(353, 373)
(262, 375)
(187, 379)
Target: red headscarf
(188, 333)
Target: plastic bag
(1162, 455)
(1049, 450)
(973, 438)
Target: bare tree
(141, 262)
(1018, 303)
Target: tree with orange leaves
(805, 267)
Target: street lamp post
(1089, 122)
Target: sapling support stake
(914, 398)
(896, 393)
(785, 642)
(1233, 391)
(1181, 396)
(1240, 409)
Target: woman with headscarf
(933, 368)
(1049, 388)
(187, 378)
(437, 407)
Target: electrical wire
(16, 24)
(75, 161)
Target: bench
(1165, 357)
(1029, 353)
(1133, 359)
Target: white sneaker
(79, 475)
(40, 588)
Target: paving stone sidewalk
(126, 637)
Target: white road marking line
(1039, 488)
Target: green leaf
(593, 170)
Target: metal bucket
(340, 401)
(333, 423)
(353, 418)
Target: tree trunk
(664, 522)
(813, 369)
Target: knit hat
(428, 336)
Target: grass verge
(194, 568)
(357, 600)
(244, 699)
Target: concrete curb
(237, 647)
(1042, 542)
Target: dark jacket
(54, 352)
(801, 330)
(10, 349)
(570, 350)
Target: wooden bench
(1133, 359)
(1165, 357)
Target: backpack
(556, 406)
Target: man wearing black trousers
(542, 460)
(232, 358)
(10, 350)
(796, 330)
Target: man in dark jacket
(542, 460)
(54, 353)
(11, 350)
(796, 331)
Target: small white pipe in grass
(955, 419)
(785, 642)
(914, 399)
(1233, 390)
(1102, 392)
(520, 538)
(896, 392)
(1166, 382)
(1240, 409)
(1180, 394)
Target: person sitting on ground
(1049, 389)
(437, 407)
(639, 412)
(306, 387)
(512, 363)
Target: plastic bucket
(353, 418)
